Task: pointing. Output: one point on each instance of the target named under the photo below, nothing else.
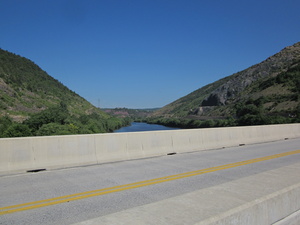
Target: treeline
(186, 123)
(58, 121)
(252, 112)
(248, 113)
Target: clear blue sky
(145, 53)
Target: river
(135, 127)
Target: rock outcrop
(272, 66)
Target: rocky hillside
(215, 99)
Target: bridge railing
(18, 155)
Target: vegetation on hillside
(32, 103)
(26, 89)
(212, 100)
(58, 121)
(272, 100)
(185, 105)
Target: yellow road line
(87, 194)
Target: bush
(5, 123)
(17, 130)
(53, 129)
(242, 110)
(55, 114)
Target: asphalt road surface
(78, 194)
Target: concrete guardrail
(18, 155)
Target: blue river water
(135, 127)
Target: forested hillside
(34, 103)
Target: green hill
(272, 87)
(28, 95)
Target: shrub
(17, 130)
(53, 129)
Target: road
(78, 194)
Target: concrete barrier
(34, 153)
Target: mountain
(26, 89)
(34, 103)
(220, 99)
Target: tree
(17, 130)
(53, 129)
(56, 114)
(5, 123)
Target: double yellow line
(87, 194)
